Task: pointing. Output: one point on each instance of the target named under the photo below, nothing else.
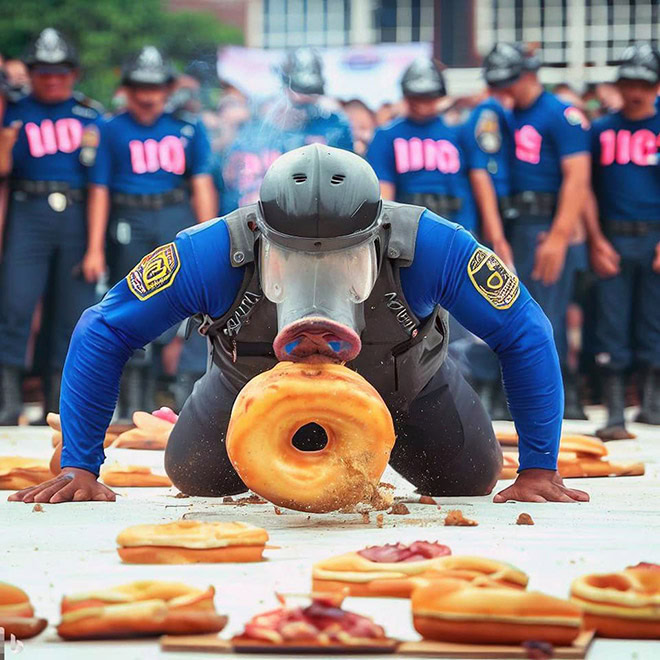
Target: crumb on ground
(379, 519)
(524, 519)
(425, 499)
(455, 518)
(38, 507)
(399, 509)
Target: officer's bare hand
(604, 258)
(503, 250)
(535, 485)
(550, 257)
(656, 261)
(9, 135)
(93, 265)
(70, 485)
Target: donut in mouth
(316, 338)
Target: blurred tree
(107, 31)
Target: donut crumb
(379, 520)
(37, 507)
(227, 499)
(455, 518)
(180, 496)
(425, 499)
(278, 511)
(524, 519)
(399, 509)
(365, 517)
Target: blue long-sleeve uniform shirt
(196, 276)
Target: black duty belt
(156, 201)
(48, 188)
(532, 204)
(631, 227)
(507, 209)
(440, 204)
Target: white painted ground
(71, 547)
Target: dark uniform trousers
(43, 251)
(554, 299)
(628, 305)
(445, 442)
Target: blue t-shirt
(240, 169)
(626, 167)
(136, 159)
(193, 274)
(546, 132)
(489, 143)
(48, 147)
(423, 158)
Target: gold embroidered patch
(155, 272)
(492, 279)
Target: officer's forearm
(590, 216)
(576, 172)
(98, 209)
(6, 159)
(484, 194)
(204, 197)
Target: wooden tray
(214, 644)
(427, 649)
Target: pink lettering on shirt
(623, 147)
(415, 154)
(167, 154)
(528, 144)
(48, 138)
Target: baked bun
(191, 542)
(150, 432)
(623, 605)
(457, 611)
(138, 476)
(362, 576)
(138, 609)
(17, 472)
(17, 613)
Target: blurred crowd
(523, 168)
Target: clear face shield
(318, 298)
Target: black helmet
(51, 49)
(148, 67)
(423, 79)
(640, 62)
(302, 71)
(318, 198)
(507, 62)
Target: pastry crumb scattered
(399, 509)
(455, 518)
(524, 519)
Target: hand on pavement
(536, 485)
(70, 485)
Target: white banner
(368, 73)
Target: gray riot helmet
(640, 62)
(423, 79)
(147, 67)
(51, 50)
(302, 71)
(319, 220)
(507, 62)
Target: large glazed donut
(275, 404)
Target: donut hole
(310, 437)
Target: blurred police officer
(151, 168)
(627, 257)
(420, 159)
(549, 185)
(301, 116)
(48, 140)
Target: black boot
(650, 412)
(614, 396)
(572, 405)
(12, 396)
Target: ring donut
(275, 404)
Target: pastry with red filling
(323, 623)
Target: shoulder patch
(487, 132)
(575, 117)
(155, 272)
(492, 279)
(89, 144)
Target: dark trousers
(555, 298)
(445, 442)
(628, 306)
(42, 254)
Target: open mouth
(316, 336)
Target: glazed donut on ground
(17, 613)
(18, 472)
(191, 542)
(396, 570)
(137, 476)
(457, 611)
(141, 608)
(623, 605)
(275, 404)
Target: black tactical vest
(399, 353)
